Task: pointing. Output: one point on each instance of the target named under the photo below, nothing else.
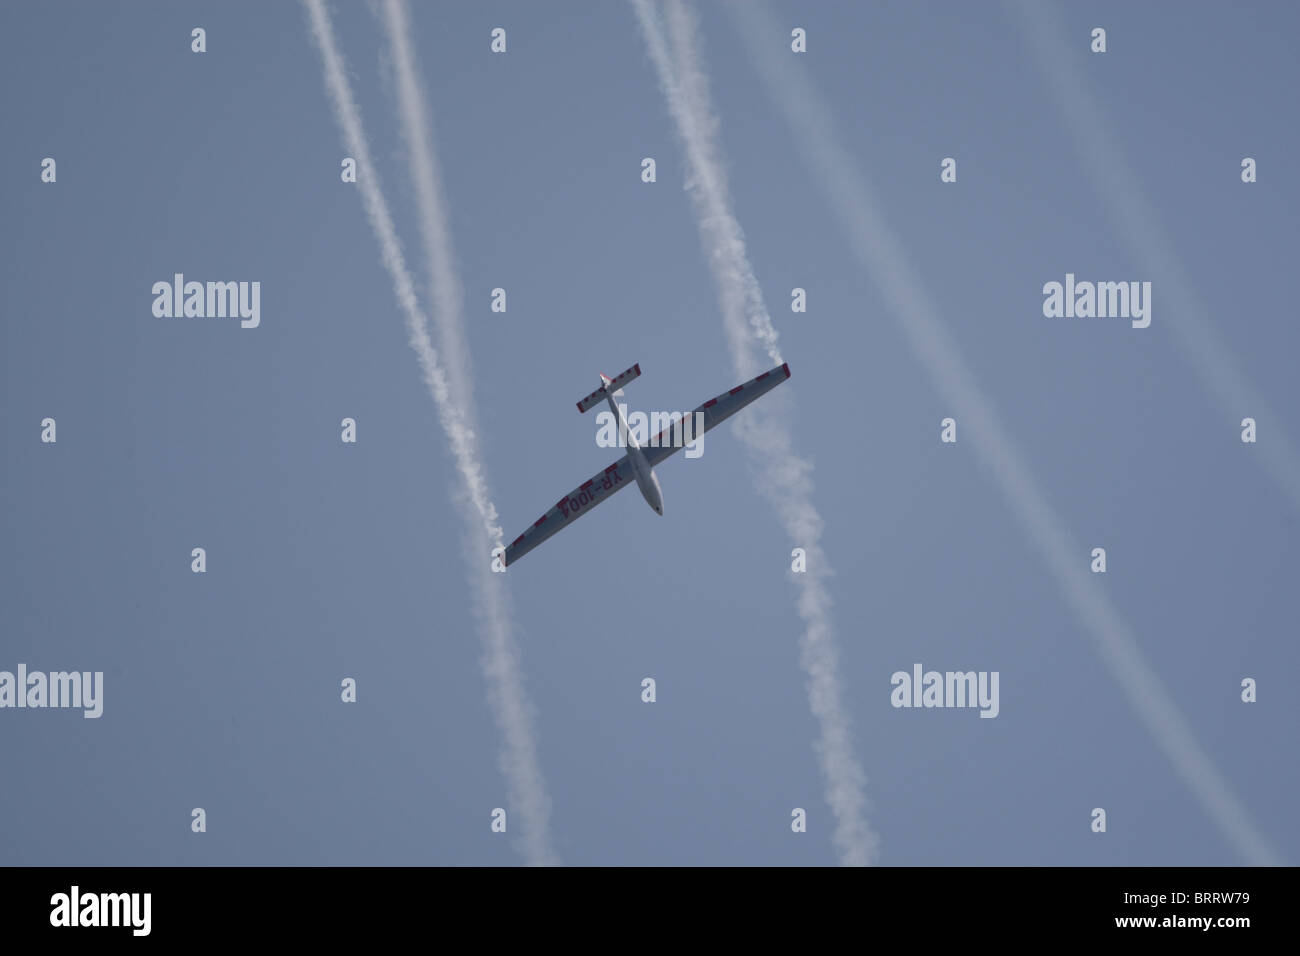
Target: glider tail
(609, 386)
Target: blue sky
(328, 560)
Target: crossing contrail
(1136, 223)
(445, 290)
(782, 477)
(500, 659)
(881, 253)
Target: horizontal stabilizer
(614, 385)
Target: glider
(638, 464)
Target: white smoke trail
(445, 290)
(506, 695)
(1136, 223)
(881, 253)
(782, 476)
(686, 89)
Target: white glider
(638, 464)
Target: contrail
(1135, 222)
(511, 709)
(686, 89)
(783, 477)
(881, 253)
(445, 290)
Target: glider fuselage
(646, 479)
